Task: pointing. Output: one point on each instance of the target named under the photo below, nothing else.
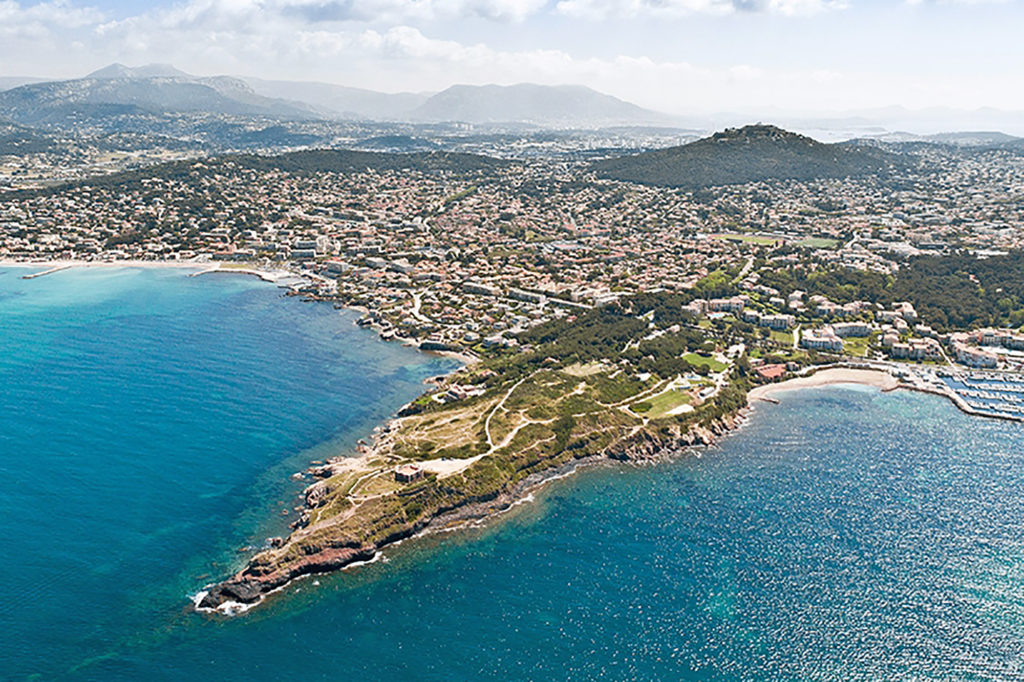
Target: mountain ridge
(162, 88)
(118, 70)
(138, 91)
(552, 105)
(343, 100)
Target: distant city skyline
(675, 56)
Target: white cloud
(368, 11)
(603, 9)
(403, 58)
(39, 20)
(957, 2)
(398, 10)
(362, 43)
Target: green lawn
(698, 360)
(856, 346)
(785, 338)
(666, 402)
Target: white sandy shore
(200, 267)
(827, 377)
(52, 264)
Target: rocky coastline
(260, 577)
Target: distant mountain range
(115, 71)
(938, 120)
(159, 101)
(748, 154)
(559, 106)
(961, 139)
(543, 105)
(355, 103)
(155, 89)
(161, 88)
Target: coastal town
(500, 340)
(464, 259)
(595, 318)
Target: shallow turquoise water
(149, 423)
(149, 429)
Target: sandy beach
(53, 264)
(827, 377)
(200, 267)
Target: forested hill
(739, 155)
(307, 161)
(344, 160)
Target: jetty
(56, 268)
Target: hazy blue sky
(685, 56)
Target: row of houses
(830, 337)
(913, 349)
(826, 308)
(974, 357)
(969, 348)
(998, 337)
(903, 310)
(846, 329)
(779, 322)
(700, 307)
(821, 339)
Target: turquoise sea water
(149, 422)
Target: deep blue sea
(149, 423)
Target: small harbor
(988, 394)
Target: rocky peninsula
(356, 527)
(487, 435)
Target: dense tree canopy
(958, 291)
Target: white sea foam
(376, 557)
